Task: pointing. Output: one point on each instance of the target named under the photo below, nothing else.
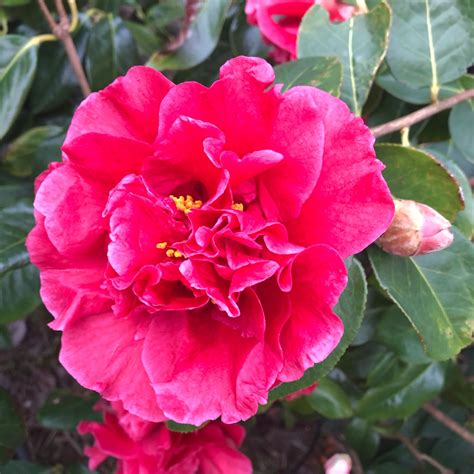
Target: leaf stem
(421, 114)
(61, 31)
(449, 423)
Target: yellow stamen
(174, 253)
(162, 245)
(237, 206)
(186, 204)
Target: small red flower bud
(416, 229)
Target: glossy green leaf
(21, 157)
(19, 282)
(414, 174)
(435, 292)
(111, 51)
(14, 191)
(18, 59)
(359, 43)
(430, 42)
(461, 120)
(362, 437)
(201, 40)
(421, 95)
(330, 400)
(64, 410)
(324, 73)
(23, 467)
(11, 426)
(395, 332)
(55, 83)
(146, 40)
(403, 394)
(351, 310)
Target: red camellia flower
(279, 21)
(144, 447)
(191, 241)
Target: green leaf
(430, 43)
(363, 438)
(23, 467)
(55, 82)
(14, 3)
(435, 292)
(12, 192)
(461, 119)
(19, 282)
(24, 152)
(79, 469)
(351, 310)
(145, 39)
(183, 428)
(111, 51)
(403, 394)
(246, 39)
(11, 426)
(330, 400)
(422, 95)
(414, 174)
(395, 332)
(201, 40)
(64, 410)
(18, 58)
(324, 73)
(359, 43)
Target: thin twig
(62, 31)
(449, 423)
(421, 114)
(422, 456)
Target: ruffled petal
(351, 205)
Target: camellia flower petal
(144, 447)
(279, 21)
(190, 243)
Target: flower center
(186, 204)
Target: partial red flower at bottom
(143, 447)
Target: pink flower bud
(338, 464)
(416, 229)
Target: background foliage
(408, 321)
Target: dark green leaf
(351, 310)
(19, 282)
(79, 469)
(413, 174)
(24, 152)
(246, 39)
(363, 438)
(145, 39)
(324, 73)
(403, 394)
(395, 332)
(200, 42)
(11, 193)
(11, 425)
(23, 467)
(111, 51)
(461, 120)
(359, 43)
(18, 58)
(430, 43)
(435, 292)
(330, 400)
(64, 410)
